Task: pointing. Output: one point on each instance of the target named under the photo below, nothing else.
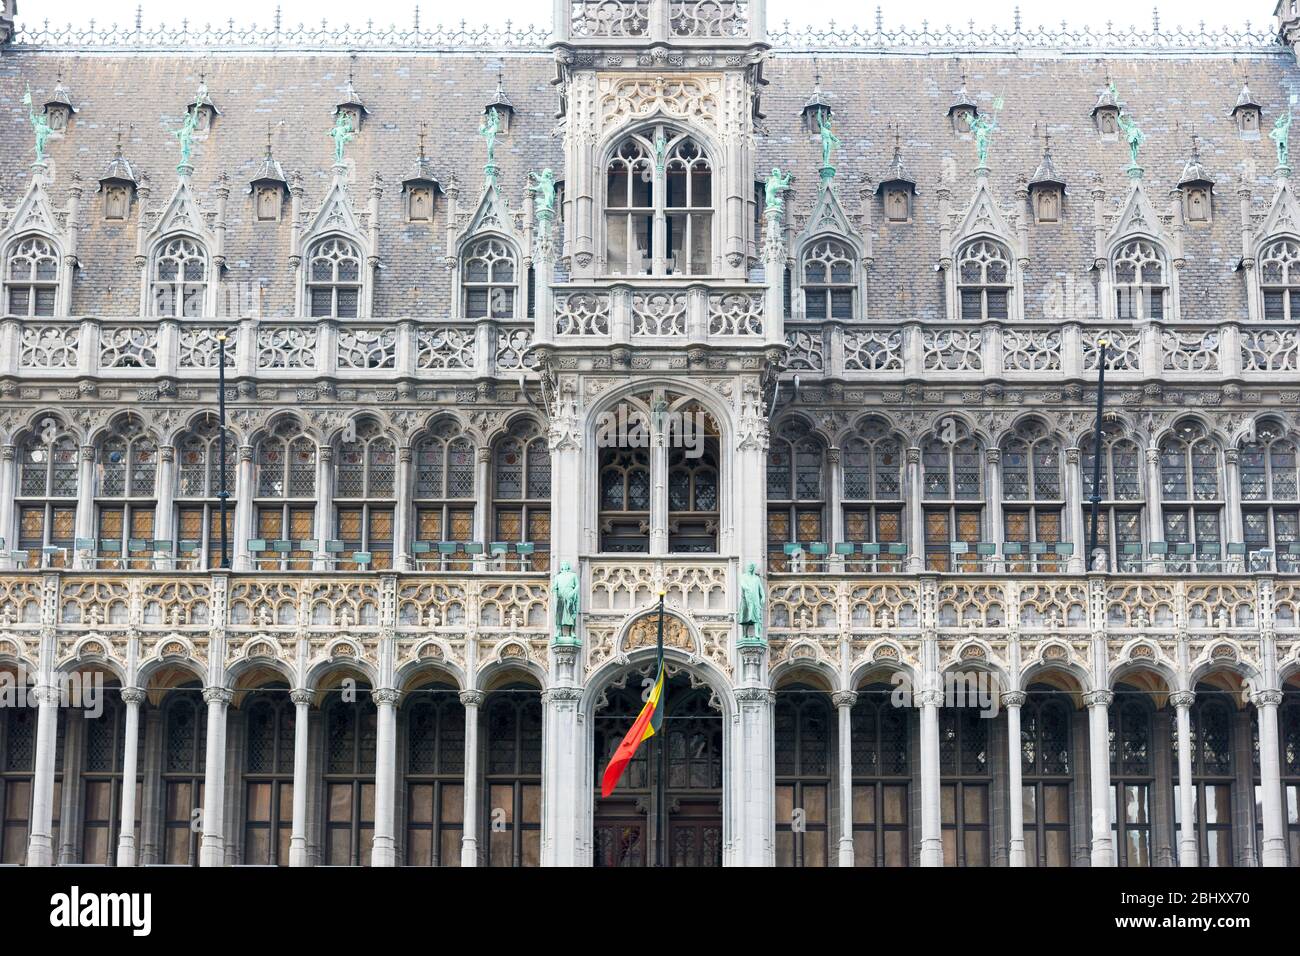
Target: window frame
(181, 290)
(335, 248)
(24, 247)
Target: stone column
(1233, 531)
(324, 504)
(164, 511)
(658, 492)
(40, 842)
(403, 516)
(212, 851)
(298, 835)
(1155, 502)
(1103, 845)
(566, 790)
(835, 504)
(916, 513)
(384, 852)
(1273, 850)
(756, 827)
(134, 697)
(844, 701)
(472, 700)
(1012, 701)
(1076, 526)
(931, 825)
(482, 482)
(993, 495)
(8, 487)
(85, 520)
(1188, 853)
(242, 526)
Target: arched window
(1270, 495)
(625, 500)
(513, 778)
(268, 776)
(1132, 775)
(964, 786)
(1212, 774)
(180, 279)
(659, 180)
(803, 752)
(1046, 766)
(444, 488)
(796, 491)
(1119, 522)
(286, 493)
(1193, 502)
(103, 756)
(198, 484)
(829, 280)
(522, 499)
(126, 464)
(881, 749)
(1279, 279)
(873, 496)
(984, 280)
(31, 277)
(1033, 498)
(620, 834)
(365, 497)
(1140, 281)
(47, 493)
(490, 280)
(334, 279)
(693, 486)
(185, 731)
(435, 776)
(351, 734)
(953, 467)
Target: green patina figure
(40, 126)
(491, 126)
(342, 134)
(185, 135)
(776, 185)
(982, 127)
(661, 151)
(753, 598)
(542, 186)
(829, 139)
(564, 592)
(1128, 127)
(1281, 135)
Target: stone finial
(815, 107)
(501, 103)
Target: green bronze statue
(1128, 127)
(185, 135)
(564, 592)
(342, 134)
(542, 186)
(491, 126)
(829, 139)
(1281, 135)
(982, 127)
(661, 151)
(753, 598)
(776, 185)
(40, 126)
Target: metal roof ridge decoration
(832, 37)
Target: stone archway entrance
(687, 756)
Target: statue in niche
(753, 598)
(564, 592)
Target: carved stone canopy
(643, 633)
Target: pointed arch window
(953, 467)
(351, 737)
(1141, 281)
(796, 491)
(126, 464)
(185, 726)
(1279, 279)
(31, 278)
(693, 492)
(1046, 765)
(490, 280)
(268, 776)
(198, 484)
(1192, 499)
(1132, 770)
(286, 494)
(873, 494)
(103, 757)
(522, 499)
(1270, 495)
(1213, 778)
(829, 281)
(435, 775)
(965, 781)
(1119, 520)
(334, 279)
(984, 279)
(179, 283)
(881, 749)
(659, 205)
(444, 487)
(625, 500)
(513, 775)
(1033, 497)
(365, 498)
(47, 494)
(803, 749)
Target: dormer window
(31, 278)
(334, 280)
(984, 280)
(489, 280)
(1141, 281)
(1279, 279)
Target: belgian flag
(646, 726)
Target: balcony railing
(672, 312)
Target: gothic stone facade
(877, 386)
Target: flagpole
(661, 853)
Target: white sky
(1187, 13)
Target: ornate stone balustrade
(288, 348)
(672, 312)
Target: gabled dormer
(985, 251)
(828, 281)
